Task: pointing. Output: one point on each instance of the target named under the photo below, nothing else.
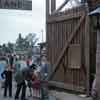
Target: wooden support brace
(63, 4)
(67, 45)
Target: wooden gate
(68, 49)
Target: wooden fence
(68, 49)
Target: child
(36, 85)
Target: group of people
(27, 77)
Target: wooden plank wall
(59, 29)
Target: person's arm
(3, 74)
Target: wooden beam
(63, 4)
(53, 5)
(67, 15)
(87, 52)
(66, 46)
(63, 17)
(47, 8)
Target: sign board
(16, 4)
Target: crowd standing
(26, 75)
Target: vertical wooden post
(47, 8)
(47, 14)
(87, 52)
(53, 5)
(98, 64)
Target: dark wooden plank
(63, 17)
(61, 34)
(82, 48)
(56, 41)
(87, 51)
(51, 43)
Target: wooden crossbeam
(63, 4)
(67, 45)
(63, 17)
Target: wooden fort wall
(68, 48)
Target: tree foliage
(31, 39)
(22, 44)
(6, 48)
(10, 47)
(26, 43)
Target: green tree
(10, 47)
(26, 43)
(31, 39)
(20, 42)
(5, 48)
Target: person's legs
(23, 95)
(5, 89)
(10, 89)
(30, 88)
(18, 91)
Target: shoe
(24, 99)
(10, 96)
(5, 96)
(16, 98)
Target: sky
(13, 22)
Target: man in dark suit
(7, 75)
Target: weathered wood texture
(93, 4)
(53, 5)
(68, 48)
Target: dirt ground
(67, 96)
